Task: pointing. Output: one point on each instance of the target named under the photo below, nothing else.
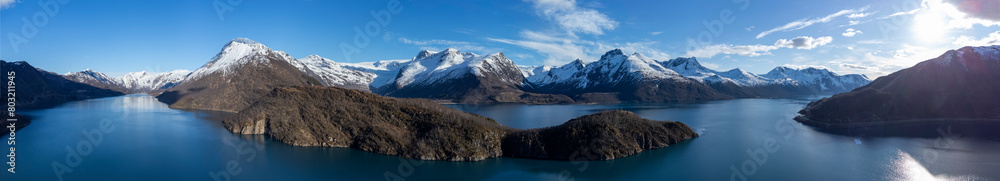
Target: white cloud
(803, 23)
(802, 42)
(850, 32)
(573, 18)
(961, 14)
(4, 4)
(655, 33)
(438, 45)
(992, 39)
(875, 63)
(981, 9)
(558, 52)
(644, 48)
(859, 15)
(743, 50)
(794, 66)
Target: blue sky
(847, 36)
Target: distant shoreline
(892, 123)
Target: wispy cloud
(875, 63)
(655, 33)
(802, 42)
(437, 45)
(573, 18)
(561, 50)
(850, 32)
(558, 51)
(4, 4)
(981, 9)
(803, 23)
(742, 50)
(859, 15)
(991, 39)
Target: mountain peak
(613, 53)
(691, 61)
(424, 54)
(242, 40)
(313, 57)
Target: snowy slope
(385, 70)
(135, 82)
(335, 74)
(613, 67)
(87, 75)
(238, 52)
(691, 68)
(571, 73)
(812, 76)
(428, 67)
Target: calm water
(152, 142)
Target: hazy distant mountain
(782, 81)
(959, 85)
(131, 83)
(242, 72)
(39, 89)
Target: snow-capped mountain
(617, 77)
(429, 68)
(469, 78)
(822, 78)
(463, 77)
(241, 72)
(336, 74)
(242, 51)
(131, 83)
(615, 67)
(612, 69)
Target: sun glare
(930, 26)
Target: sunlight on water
(907, 168)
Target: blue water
(152, 142)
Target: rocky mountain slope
(39, 89)
(420, 129)
(236, 77)
(959, 85)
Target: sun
(930, 26)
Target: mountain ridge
(462, 77)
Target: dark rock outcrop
(959, 86)
(602, 136)
(421, 129)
